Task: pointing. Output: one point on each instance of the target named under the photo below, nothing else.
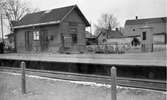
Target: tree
(15, 9)
(107, 23)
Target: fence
(109, 48)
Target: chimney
(136, 17)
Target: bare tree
(15, 9)
(107, 23)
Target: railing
(109, 48)
(121, 48)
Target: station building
(55, 30)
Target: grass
(49, 89)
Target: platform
(142, 59)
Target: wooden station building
(55, 30)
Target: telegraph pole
(2, 28)
(91, 27)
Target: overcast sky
(122, 9)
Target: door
(73, 35)
(28, 40)
(74, 39)
(44, 40)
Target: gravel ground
(49, 89)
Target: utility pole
(90, 27)
(2, 28)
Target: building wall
(147, 40)
(53, 32)
(102, 39)
(20, 40)
(79, 26)
(133, 30)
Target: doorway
(44, 40)
(28, 40)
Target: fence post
(23, 80)
(113, 83)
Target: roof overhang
(38, 24)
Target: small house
(56, 30)
(91, 39)
(106, 36)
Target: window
(104, 40)
(144, 35)
(74, 38)
(73, 30)
(35, 35)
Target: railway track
(122, 81)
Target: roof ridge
(148, 18)
(51, 9)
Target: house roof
(147, 20)
(115, 34)
(112, 34)
(53, 16)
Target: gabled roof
(112, 34)
(115, 34)
(146, 21)
(53, 16)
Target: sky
(121, 9)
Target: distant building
(158, 28)
(10, 43)
(91, 39)
(53, 30)
(109, 36)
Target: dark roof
(52, 16)
(115, 34)
(112, 34)
(147, 20)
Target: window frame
(36, 35)
(144, 36)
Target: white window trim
(36, 35)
